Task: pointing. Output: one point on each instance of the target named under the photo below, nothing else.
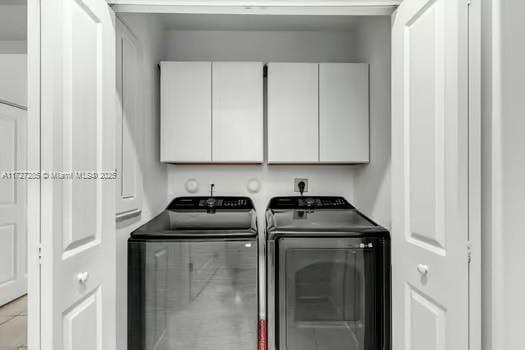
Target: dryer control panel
(309, 202)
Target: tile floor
(13, 325)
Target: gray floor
(13, 325)
(322, 338)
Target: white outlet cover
(192, 185)
(254, 185)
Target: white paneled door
(430, 173)
(78, 189)
(13, 208)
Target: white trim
(15, 105)
(475, 304)
(259, 3)
(33, 186)
(495, 237)
(127, 215)
(318, 10)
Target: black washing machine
(192, 277)
(328, 269)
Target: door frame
(474, 244)
(35, 253)
(34, 250)
(260, 7)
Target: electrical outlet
(297, 181)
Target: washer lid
(201, 217)
(317, 215)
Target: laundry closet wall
(148, 31)
(349, 44)
(503, 174)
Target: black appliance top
(317, 215)
(201, 217)
(307, 202)
(207, 203)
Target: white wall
(276, 180)
(504, 174)
(13, 27)
(149, 33)
(13, 46)
(369, 42)
(372, 181)
(260, 46)
(263, 46)
(13, 79)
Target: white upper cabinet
(343, 113)
(186, 112)
(318, 113)
(293, 123)
(237, 112)
(212, 112)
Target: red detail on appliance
(263, 345)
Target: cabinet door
(237, 112)
(343, 112)
(129, 124)
(186, 112)
(293, 113)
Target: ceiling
(258, 23)
(13, 20)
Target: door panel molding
(417, 304)
(84, 317)
(82, 125)
(130, 119)
(425, 229)
(13, 203)
(8, 253)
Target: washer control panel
(199, 203)
(309, 202)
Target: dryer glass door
(329, 294)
